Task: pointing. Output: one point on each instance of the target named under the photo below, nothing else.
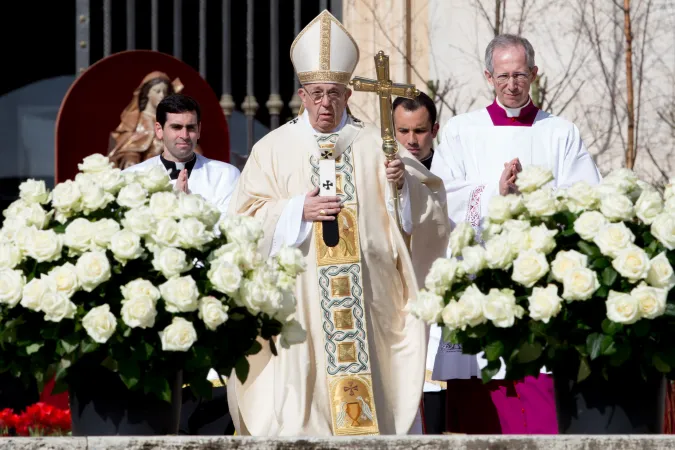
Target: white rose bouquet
(577, 280)
(119, 269)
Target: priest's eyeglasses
(317, 96)
(518, 77)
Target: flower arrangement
(575, 280)
(40, 419)
(119, 268)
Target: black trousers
(434, 412)
(200, 416)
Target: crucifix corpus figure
(361, 369)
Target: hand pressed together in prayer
(182, 181)
(507, 182)
(320, 208)
(395, 170)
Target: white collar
(513, 112)
(343, 122)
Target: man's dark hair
(422, 100)
(176, 104)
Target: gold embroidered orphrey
(340, 276)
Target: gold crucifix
(385, 88)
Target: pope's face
(325, 103)
(511, 77)
(180, 135)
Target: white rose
(14, 210)
(180, 294)
(10, 255)
(622, 308)
(125, 246)
(93, 268)
(427, 307)
(252, 295)
(66, 196)
(79, 235)
(179, 336)
(453, 316)
(471, 301)
(501, 309)
(11, 286)
(292, 333)
(541, 203)
(473, 259)
(111, 180)
(580, 284)
(617, 207)
(648, 206)
(34, 191)
(33, 292)
(103, 232)
(171, 262)
(632, 263)
(140, 220)
(498, 253)
(516, 225)
(565, 261)
(529, 267)
(139, 312)
(441, 275)
(212, 312)
(100, 323)
(669, 191)
(663, 229)
(166, 233)
(588, 224)
(532, 178)
(544, 303)
(44, 246)
(669, 205)
(132, 196)
(192, 233)
(56, 306)
(623, 180)
(286, 282)
(211, 215)
(499, 209)
(94, 198)
(242, 230)
(516, 205)
(661, 273)
(95, 163)
(23, 238)
(30, 214)
(581, 197)
(155, 179)
(490, 230)
(651, 301)
(65, 279)
(163, 205)
(225, 277)
(460, 237)
(613, 238)
(541, 239)
(191, 205)
(140, 288)
(291, 261)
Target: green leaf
(600, 263)
(33, 348)
(568, 232)
(129, 372)
(609, 276)
(242, 367)
(254, 348)
(88, 347)
(477, 332)
(660, 364)
(602, 292)
(597, 344)
(589, 249)
(68, 348)
(529, 352)
(584, 370)
(494, 350)
(201, 387)
(62, 369)
(448, 335)
(623, 352)
(641, 328)
(611, 328)
(490, 370)
(670, 310)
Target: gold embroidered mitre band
(341, 293)
(324, 52)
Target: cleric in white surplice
(479, 157)
(178, 126)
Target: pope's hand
(507, 182)
(182, 181)
(320, 208)
(395, 170)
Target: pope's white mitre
(324, 52)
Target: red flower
(7, 421)
(40, 419)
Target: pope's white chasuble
(361, 369)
